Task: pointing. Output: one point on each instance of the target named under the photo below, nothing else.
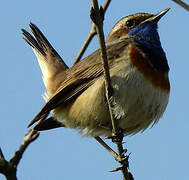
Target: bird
(139, 73)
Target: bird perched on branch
(139, 75)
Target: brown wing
(81, 76)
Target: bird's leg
(123, 159)
(117, 137)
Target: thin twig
(90, 36)
(106, 5)
(29, 137)
(182, 4)
(85, 45)
(1, 155)
(9, 168)
(97, 17)
(108, 148)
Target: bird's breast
(140, 98)
(143, 64)
(137, 103)
(141, 93)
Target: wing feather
(81, 76)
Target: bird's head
(139, 24)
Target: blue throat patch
(148, 41)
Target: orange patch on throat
(157, 79)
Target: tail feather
(41, 39)
(40, 43)
(32, 42)
(49, 123)
(52, 66)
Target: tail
(52, 66)
(49, 123)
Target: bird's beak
(158, 16)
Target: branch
(90, 36)
(29, 137)
(182, 4)
(110, 150)
(97, 17)
(85, 45)
(1, 155)
(9, 168)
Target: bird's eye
(130, 23)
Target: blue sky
(160, 153)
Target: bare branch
(9, 168)
(106, 5)
(108, 148)
(97, 17)
(29, 137)
(90, 36)
(1, 155)
(85, 45)
(6, 168)
(182, 4)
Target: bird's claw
(116, 137)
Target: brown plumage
(76, 96)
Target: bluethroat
(76, 96)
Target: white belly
(137, 104)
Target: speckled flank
(158, 79)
